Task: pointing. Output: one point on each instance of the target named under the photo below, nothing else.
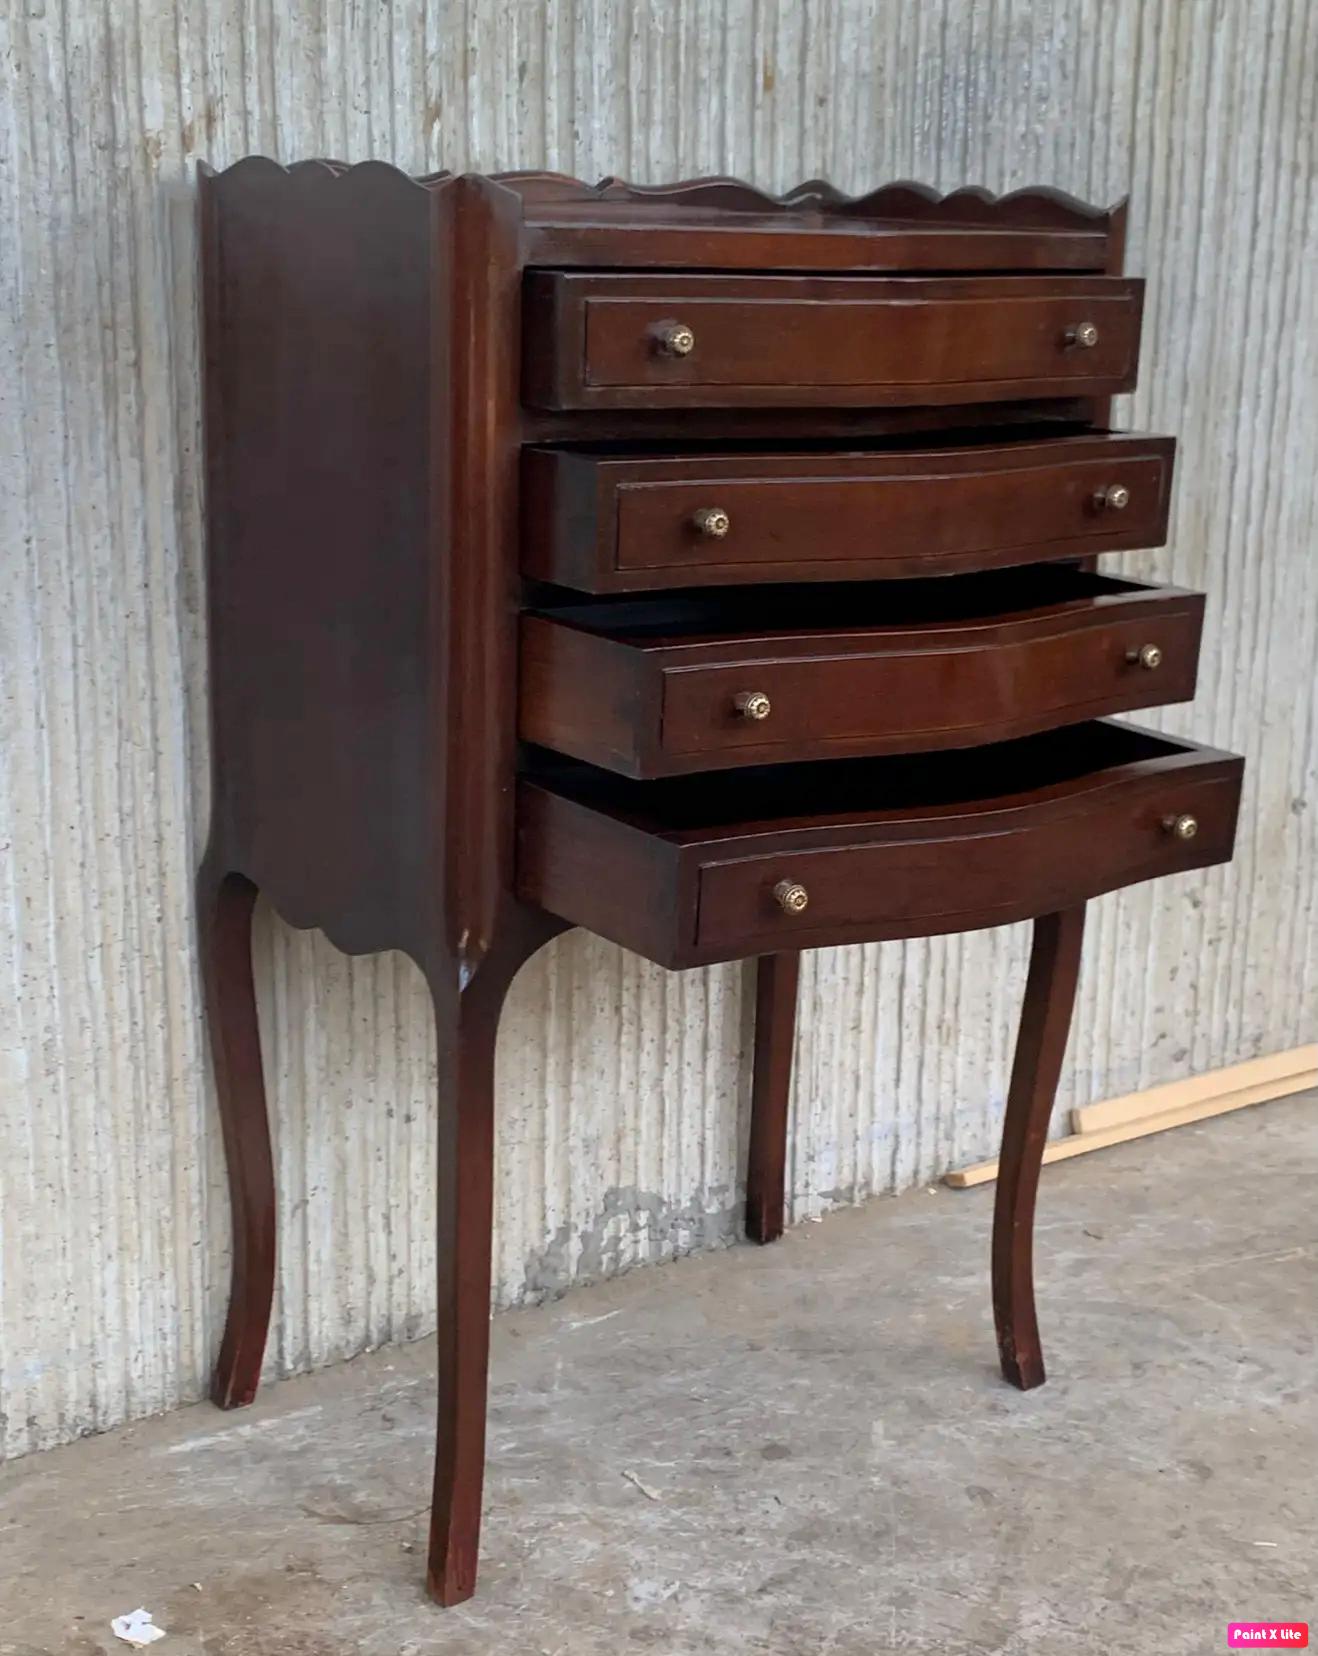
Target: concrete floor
(802, 1448)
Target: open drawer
(619, 520)
(670, 684)
(699, 869)
(631, 340)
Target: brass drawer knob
(752, 704)
(674, 339)
(1084, 334)
(791, 897)
(1113, 499)
(1182, 827)
(1148, 656)
(712, 521)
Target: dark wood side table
(710, 570)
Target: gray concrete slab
(803, 1448)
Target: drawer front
(606, 525)
(619, 341)
(697, 869)
(970, 873)
(952, 687)
(649, 706)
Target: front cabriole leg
(467, 1025)
(1040, 1046)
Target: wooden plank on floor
(1207, 1103)
(1286, 1071)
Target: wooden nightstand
(709, 570)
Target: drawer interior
(765, 797)
(674, 445)
(707, 615)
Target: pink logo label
(1267, 1635)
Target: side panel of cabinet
(318, 322)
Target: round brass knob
(674, 339)
(790, 897)
(753, 704)
(1148, 656)
(1084, 334)
(712, 521)
(1113, 499)
(1183, 827)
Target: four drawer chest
(711, 570)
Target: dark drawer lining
(686, 615)
(759, 797)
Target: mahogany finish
(527, 497)
(777, 978)
(1040, 1048)
(661, 687)
(599, 341)
(224, 926)
(724, 224)
(633, 522)
(684, 871)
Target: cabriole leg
(225, 903)
(1040, 1047)
(776, 980)
(467, 1024)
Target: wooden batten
(1174, 1104)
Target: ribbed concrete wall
(621, 1089)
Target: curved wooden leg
(1040, 1047)
(776, 980)
(467, 1024)
(225, 903)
